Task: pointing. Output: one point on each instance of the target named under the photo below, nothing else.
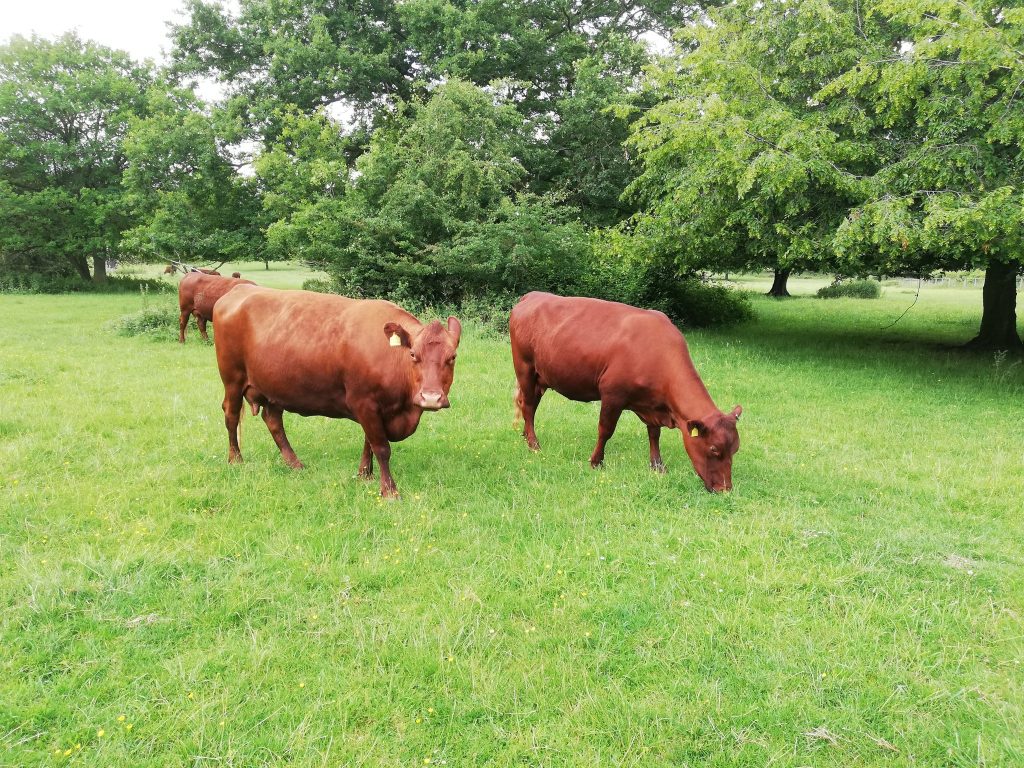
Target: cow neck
(688, 397)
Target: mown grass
(856, 600)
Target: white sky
(136, 26)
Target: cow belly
(572, 383)
(309, 398)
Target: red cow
(236, 274)
(629, 359)
(197, 294)
(322, 355)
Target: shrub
(30, 282)
(691, 303)
(158, 322)
(319, 285)
(623, 271)
(851, 289)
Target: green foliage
(66, 108)
(623, 270)
(437, 211)
(319, 285)
(313, 53)
(158, 322)
(851, 289)
(192, 204)
(41, 282)
(743, 166)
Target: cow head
(432, 351)
(711, 443)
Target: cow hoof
(234, 458)
(597, 464)
(364, 474)
(533, 445)
(296, 464)
(659, 468)
(391, 495)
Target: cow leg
(366, 462)
(201, 322)
(527, 400)
(654, 437)
(377, 438)
(272, 415)
(232, 415)
(182, 325)
(610, 413)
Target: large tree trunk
(81, 266)
(779, 288)
(99, 269)
(999, 309)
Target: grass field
(856, 601)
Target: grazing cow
(322, 355)
(236, 275)
(197, 294)
(629, 359)
(170, 269)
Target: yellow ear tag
(694, 432)
(395, 341)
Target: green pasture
(856, 601)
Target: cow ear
(455, 329)
(737, 411)
(397, 335)
(696, 428)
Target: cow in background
(236, 275)
(322, 355)
(629, 359)
(198, 292)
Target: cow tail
(517, 402)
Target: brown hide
(629, 359)
(323, 355)
(197, 295)
(205, 271)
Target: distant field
(279, 275)
(856, 601)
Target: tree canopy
(66, 107)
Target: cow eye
(414, 358)
(451, 360)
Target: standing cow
(198, 292)
(629, 359)
(322, 355)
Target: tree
(65, 109)
(437, 209)
(947, 105)
(560, 64)
(743, 166)
(375, 54)
(191, 202)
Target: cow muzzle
(432, 401)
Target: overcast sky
(136, 26)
